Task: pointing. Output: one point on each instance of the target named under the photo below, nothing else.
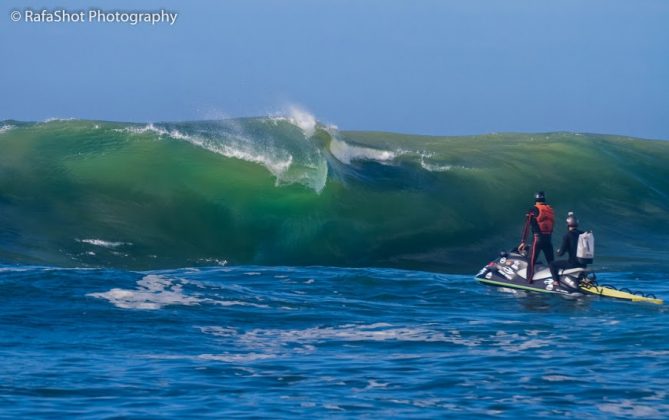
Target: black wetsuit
(569, 246)
(540, 242)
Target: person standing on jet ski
(542, 218)
(569, 246)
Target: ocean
(277, 267)
(316, 342)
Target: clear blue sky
(421, 66)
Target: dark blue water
(323, 342)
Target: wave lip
(299, 118)
(280, 144)
(347, 153)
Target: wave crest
(347, 153)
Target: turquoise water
(259, 341)
(286, 191)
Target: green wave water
(286, 191)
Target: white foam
(241, 148)
(103, 243)
(53, 119)
(432, 167)
(347, 153)
(236, 358)
(371, 384)
(235, 303)
(628, 408)
(218, 331)
(517, 343)
(216, 261)
(273, 339)
(435, 168)
(654, 353)
(427, 163)
(153, 292)
(5, 128)
(300, 118)
(225, 357)
(236, 145)
(657, 396)
(557, 378)
(150, 128)
(519, 293)
(14, 269)
(276, 165)
(242, 151)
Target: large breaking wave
(290, 190)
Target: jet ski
(510, 270)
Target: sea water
(271, 342)
(265, 333)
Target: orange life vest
(546, 218)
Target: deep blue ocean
(272, 342)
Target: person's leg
(540, 248)
(548, 249)
(554, 270)
(556, 266)
(569, 282)
(533, 258)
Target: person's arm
(526, 229)
(565, 245)
(523, 236)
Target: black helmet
(572, 221)
(540, 197)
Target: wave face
(293, 191)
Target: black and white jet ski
(510, 271)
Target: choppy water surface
(259, 341)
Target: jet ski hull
(510, 271)
(520, 285)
